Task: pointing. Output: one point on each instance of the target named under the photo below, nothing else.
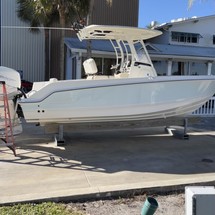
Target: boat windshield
(141, 53)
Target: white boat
(10, 78)
(12, 81)
(133, 92)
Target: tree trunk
(89, 22)
(62, 54)
(89, 16)
(47, 54)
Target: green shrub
(47, 208)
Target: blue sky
(166, 10)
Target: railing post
(208, 109)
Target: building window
(213, 39)
(185, 37)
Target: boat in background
(12, 81)
(132, 92)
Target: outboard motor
(12, 81)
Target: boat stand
(59, 138)
(176, 127)
(177, 132)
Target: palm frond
(47, 12)
(190, 3)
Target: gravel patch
(168, 205)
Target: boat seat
(90, 67)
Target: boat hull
(117, 100)
(12, 81)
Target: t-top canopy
(116, 33)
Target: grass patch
(47, 208)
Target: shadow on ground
(110, 151)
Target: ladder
(7, 137)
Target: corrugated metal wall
(55, 51)
(25, 51)
(122, 12)
(21, 49)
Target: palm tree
(46, 13)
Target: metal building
(122, 12)
(25, 51)
(20, 49)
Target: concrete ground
(99, 163)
